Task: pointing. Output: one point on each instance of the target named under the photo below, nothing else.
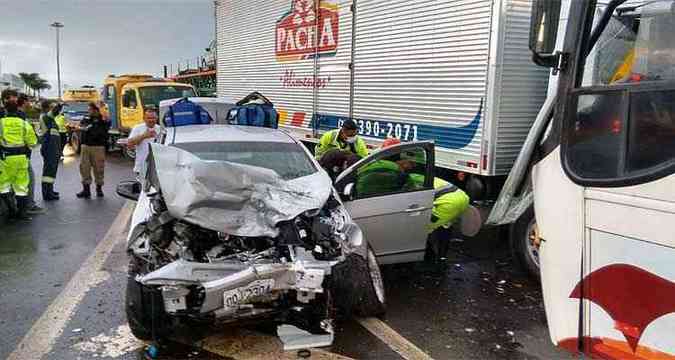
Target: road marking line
(394, 340)
(41, 337)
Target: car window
(400, 172)
(290, 161)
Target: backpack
(254, 110)
(185, 112)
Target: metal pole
(58, 26)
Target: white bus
(603, 174)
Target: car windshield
(76, 106)
(152, 95)
(290, 161)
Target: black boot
(99, 190)
(8, 200)
(22, 208)
(48, 192)
(85, 193)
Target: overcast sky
(101, 37)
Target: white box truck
(458, 72)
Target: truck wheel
(525, 243)
(145, 311)
(359, 287)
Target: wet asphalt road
(478, 307)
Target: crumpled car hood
(232, 198)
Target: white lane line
(41, 337)
(394, 340)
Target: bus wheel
(525, 241)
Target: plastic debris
(296, 339)
(78, 330)
(469, 330)
(510, 333)
(498, 347)
(501, 282)
(152, 352)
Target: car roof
(226, 133)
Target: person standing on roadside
(94, 131)
(63, 130)
(140, 138)
(50, 149)
(33, 208)
(16, 138)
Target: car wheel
(525, 241)
(359, 286)
(145, 310)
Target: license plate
(235, 297)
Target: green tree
(41, 84)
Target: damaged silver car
(237, 223)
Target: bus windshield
(636, 45)
(152, 95)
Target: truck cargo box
(456, 72)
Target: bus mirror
(544, 30)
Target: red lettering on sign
(307, 30)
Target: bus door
(605, 186)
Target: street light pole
(57, 25)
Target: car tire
(145, 310)
(359, 286)
(522, 247)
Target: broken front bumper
(229, 286)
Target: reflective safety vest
(16, 135)
(61, 123)
(48, 125)
(329, 141)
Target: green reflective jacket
(329, 141)
(15, 132)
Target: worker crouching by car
(450, 202)
(94, 132)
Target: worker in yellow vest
(344, 138)
(17, 137)
(63, 130)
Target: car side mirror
(348, 191)
(544, 21)
(129, 189)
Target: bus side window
(651, 140)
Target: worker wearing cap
(345, 139)
(16, 138)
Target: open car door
(390, 195)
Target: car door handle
(415, 208)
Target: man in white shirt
(140, 138)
